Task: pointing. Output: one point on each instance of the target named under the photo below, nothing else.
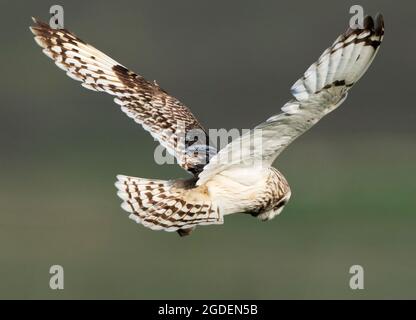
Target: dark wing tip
(39, 28)
(368, 23)
(375, 26)
(379, 28)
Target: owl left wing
(323, 88)
(165, 117)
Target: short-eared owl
(238, 178)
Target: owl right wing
(165, 117)
(323, 88)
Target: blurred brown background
(232, 63)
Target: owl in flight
(238, 178)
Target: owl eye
(281, 204)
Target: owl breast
(261, 193)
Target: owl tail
(176, 205)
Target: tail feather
(140, 194)
(167, 205)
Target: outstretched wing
(323, 88)
(165, 117)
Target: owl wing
(323, 88)
(163, 116)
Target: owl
(240, 177)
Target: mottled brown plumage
(240, 178)
(165, 117)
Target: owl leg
(185, 232)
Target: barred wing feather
(323, 87)
(165, 117)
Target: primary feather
(165, 117)
(323, 88)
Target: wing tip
(370, 34)
(374, 25)
(39, 29)
(379, 27)
(39, 23)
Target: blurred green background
(352, 176)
